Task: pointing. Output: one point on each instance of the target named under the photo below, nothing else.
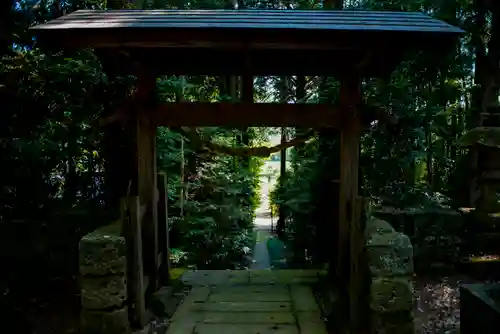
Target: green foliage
(56, 154)
(48, 140)
(416, 163)
(221, 194)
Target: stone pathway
(260, 253)
(263, 221)
(249, 302)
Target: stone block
(393, 323)
(250, 297)
(311, 322)
(197, 296)
(105, 322)
(303, 298)
(99, 293)
(164, 294)
(241, 307)
(389, 254)
(377, 226)
(102, 252)
(283, 276)
(182, 326)
(249, 318)
(391, 294)
(246, 329)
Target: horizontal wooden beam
(235, 61)
(247, 114)
(257, 114)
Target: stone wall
(103, 282)
(390, 256)
(436, 234)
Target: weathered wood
(146, 169)
(136, 279)
(317, 39)
(218, 62)
(490, 176)
(246, 114)
(146, 284)
(350, 97)
(154, 275)
(258, 114)
(359, 275)
(163, 230)
(143, 209)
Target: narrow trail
(263, 222)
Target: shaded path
(263, 222)
(260, 254)
(249, 302)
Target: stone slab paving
(249, 302)
(260, 253)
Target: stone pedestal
(390, 256)
(103, 282)
(479, 308)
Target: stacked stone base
(390, 257)
(103, 282)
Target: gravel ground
(437, 308)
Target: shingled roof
(347, 20)
(232, 35)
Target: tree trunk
(5, 26)
(490, 105)
(478, 93)
(180, 98)
(246, 85)
(300, 95)
(333, 4)
(430, 165)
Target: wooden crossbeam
(246, 114)
(256, 114)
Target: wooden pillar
(350, 99)
(143, 229)
(163, 230)
(247, 94)
(146, 172)
(136, 286)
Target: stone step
(249, 318)
(246, 329)
(241, 307)
(250, 297)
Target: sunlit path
(263, 222)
